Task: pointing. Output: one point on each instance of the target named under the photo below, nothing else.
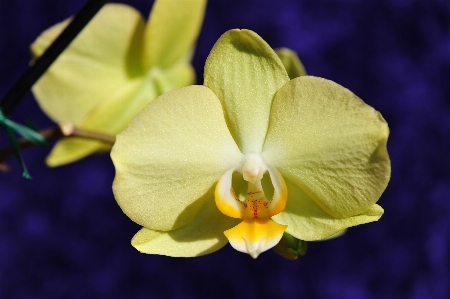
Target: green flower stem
(63, 130)
(24, 84)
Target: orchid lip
(256, 233)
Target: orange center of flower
(255, 205)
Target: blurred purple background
(62, 235)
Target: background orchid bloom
(116, 66)
(315, 150)
(294, 67)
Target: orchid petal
(46, 38)
(306, 220)
(178, 76)
(203, 235)
(170, 156)
(291, 62)
(171, 31)
(280, 193)
(255, 236)
(227, 202)
(110, 117)
(330, 143)
(245, 73)
(71, 149)
(100, 60)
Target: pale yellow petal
(110, 116)
(279, 198)
(307, 221)
(171, 32)
(170, 156)
(69, 150)
(114, 113)
(291, 62)
(46, 38)
(330, 143)
(245, 73)
(178, 76)
(255, 236)
(101, 59)
(203, 235)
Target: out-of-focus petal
(330, 143)
(100, 60)
(171, 31)
(46, 38)
(307, 221)
(178, 76)
(245, 73)
(291, 62)
(170, 156)
(110, 117)
(203, 235)
(71, 149)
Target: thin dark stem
(24, 84)
(52, 134)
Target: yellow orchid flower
(114, 67)
(249, 155)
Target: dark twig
(24, 84)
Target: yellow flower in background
(291, 62)
(114, 67)
(249, 155)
